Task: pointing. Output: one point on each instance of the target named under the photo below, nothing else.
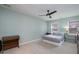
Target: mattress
(53, 38)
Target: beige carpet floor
(40, 47)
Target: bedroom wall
(28, 27)
(62, 23)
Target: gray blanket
(54, 38)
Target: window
(54, 27)
(73, 26)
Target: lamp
(66, 29)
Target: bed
(55, 38)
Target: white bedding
(53, 36)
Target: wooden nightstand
(70, 37)
(78, 43)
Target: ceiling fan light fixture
(50, 16)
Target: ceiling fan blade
(42, 15)
(52, 12)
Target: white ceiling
(63, 10)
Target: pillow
(47, 33)
(59, 34)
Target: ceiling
(63, 10)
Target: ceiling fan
(49, 13)
(6, 5)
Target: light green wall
(28, 27)
(49, 26)
(62, 22)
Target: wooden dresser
(10, 42)
(0, 45)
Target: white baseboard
(29, 42)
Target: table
(71, 37)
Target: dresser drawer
(10, 45)
(0, 45)
(9, 41)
